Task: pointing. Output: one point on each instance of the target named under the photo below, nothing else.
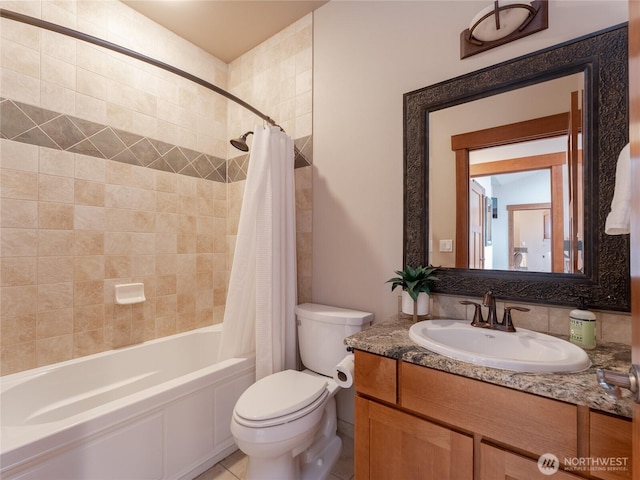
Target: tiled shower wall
(114, 171)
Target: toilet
(286, 422)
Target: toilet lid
(279, 394)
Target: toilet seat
(280, 398)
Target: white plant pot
(423, 303)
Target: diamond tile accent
(108, 143)
(85, 147)
(144, 152)
(202, 165)
(86, 127)
(14, 121)
(36, 136)
(62, 131)
(25, 123)
(176, 159)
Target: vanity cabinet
(415, 422)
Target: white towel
(618, 220)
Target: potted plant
(416, 285)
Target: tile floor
(234, 467)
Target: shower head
(241, 143)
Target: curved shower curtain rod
(18, 17)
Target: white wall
(367, 54)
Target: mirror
(599, 264)
(505, 172)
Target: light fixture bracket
(536, 20)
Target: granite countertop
(391, 339)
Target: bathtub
(157, 410)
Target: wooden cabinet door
(498, 464)
(391, 444)
(610, 445)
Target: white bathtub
(158, 410)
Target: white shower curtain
(259, 314)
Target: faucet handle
(477, 321)
(507, 322)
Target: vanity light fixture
(503, 22)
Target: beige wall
(75, 224)
(366, 56)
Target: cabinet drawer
(498, 464)
(610, 446)
(534, 424)
(375, 376)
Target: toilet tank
(321, 333)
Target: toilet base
(279, 468)
(286, 468)
(320, 467)
(313, 461)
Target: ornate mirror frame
(603, 58)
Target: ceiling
(225, 28)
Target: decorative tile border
(25, 123)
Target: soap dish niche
(130, 293)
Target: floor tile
(234, 467)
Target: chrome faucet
(492, 322)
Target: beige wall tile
(55, 296)
(18, 213)
(89, 193)
(88, 267)
(143, 243)
(167, 202)
(18, 301)
(121, 196)
(88, 317)
(615, 328)
(55, 242)
(166, 264)
(90, 168)
(55, 323)
(20, 58)
(55, 189)
(58, 72)
(16, 271)
(19, 357)
(88, 242)
(18, 242)
(17, 329)
(55, 269)
(18, 156)
(89, 218)
(18, 184)
(89, 342)
(143, 265)
(117, 266)
(54, 349)
(56, 162)
(88, 293)
(57, 216)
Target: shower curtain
(259, 314)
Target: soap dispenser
(582, 326)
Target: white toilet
(286, 423)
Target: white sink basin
(523, 350)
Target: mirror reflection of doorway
(530, 236)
